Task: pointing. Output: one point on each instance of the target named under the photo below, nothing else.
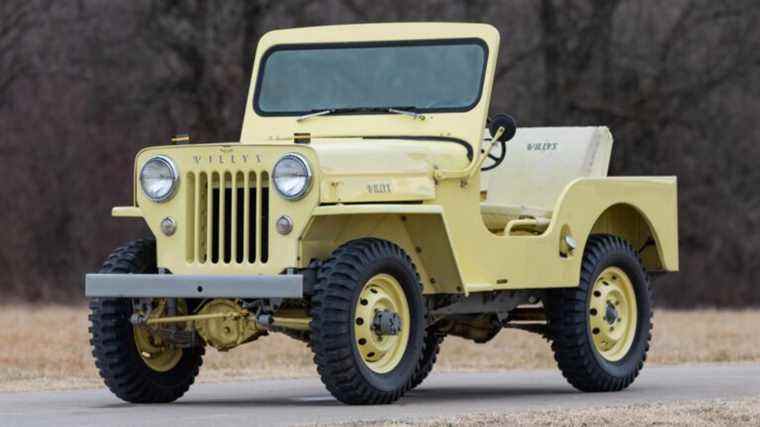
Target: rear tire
(117, 357)
(601, 330)
(359, 365)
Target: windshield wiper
(314, 114)
(406, 111)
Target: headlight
(158, 178)
(292, 176)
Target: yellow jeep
(370, 209)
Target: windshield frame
(392, 43)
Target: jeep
(370, 209)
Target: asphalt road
(287, 402)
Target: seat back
(541, 162)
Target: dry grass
(46, 347)
(744, 412)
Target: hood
(347, 170)
(384, 170)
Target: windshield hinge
(302, 137)
(181, 138)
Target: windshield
(423, 76)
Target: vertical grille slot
(191, 242)
(228, 217)
(214, 217)
(249, 231)
(239, 219)
(201, 214)
(264, 235)
(254, 226)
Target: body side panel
(455, 249)
(489, 261)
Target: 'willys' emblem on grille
(227, 157)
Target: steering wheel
(510, 129)
(496, 159)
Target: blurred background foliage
(85, 84)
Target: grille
(229, 217)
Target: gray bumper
(171, 286)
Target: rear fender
(642, 210)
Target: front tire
(368, 322)
(164, 376)
(433, 341)
(601, 330)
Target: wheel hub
(381, 322)
(387, 323)
(612, 315)
(154, 351)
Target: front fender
(420, 230)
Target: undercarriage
(228, 323)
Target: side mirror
(506, 122)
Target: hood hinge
(301, 138)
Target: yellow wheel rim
(380, 350)
(157, 354)
(613, 314)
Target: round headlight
(292, 176)
(158, 178)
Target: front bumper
(192, 286)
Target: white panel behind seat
(540, 162)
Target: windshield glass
(424, 76)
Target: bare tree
(17, 18)
(89, 82)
